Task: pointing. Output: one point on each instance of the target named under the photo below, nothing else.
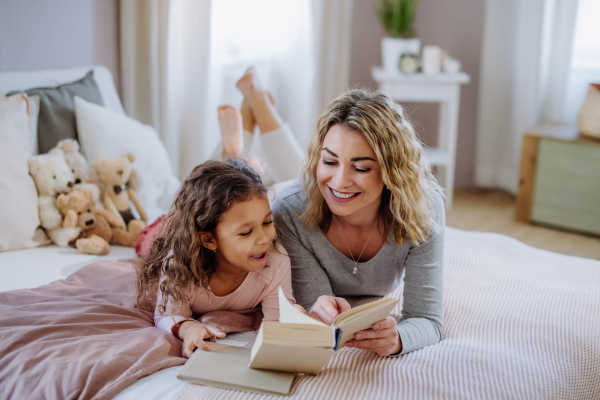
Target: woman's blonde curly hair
(406, 209)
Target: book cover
(227, 367)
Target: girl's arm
(283, 278)
(167, 320)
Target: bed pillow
(106, 134)
(19, 216)
(56, 120)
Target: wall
(42, 34)
(454, 25)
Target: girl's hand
(300, 308)
(327, 308)
(193, 334)
(382, 338)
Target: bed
(519, 323)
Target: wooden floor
(493, 211)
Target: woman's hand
(327, 308)
(193, 334)
(382, 338)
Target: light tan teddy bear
(101, 227)
(121, 181)
(86, 178)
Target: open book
(299, 343)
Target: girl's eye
(268, 222)
(361, 170)
(326, 162)
(246, 233)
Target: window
(585, 60)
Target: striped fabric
(520, 323)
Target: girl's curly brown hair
(210, 190)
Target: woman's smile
(342, 197)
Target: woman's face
(349, 174)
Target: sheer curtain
(181, 59)
(526, 55)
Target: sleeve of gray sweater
(318, 269)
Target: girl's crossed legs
(258, 109)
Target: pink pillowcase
(147, 236)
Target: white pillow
(19, 216)
(105, 134)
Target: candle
(432, 59)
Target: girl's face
(244, 235)
(349, 175)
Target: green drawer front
(567, 186)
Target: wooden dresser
(559, 182)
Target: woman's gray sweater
(318, 268)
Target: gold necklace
(348, 247)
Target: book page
(290, 315)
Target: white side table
(441, 88)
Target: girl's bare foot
(230, 121)
(258, 165)
(248, 84)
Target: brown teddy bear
(101, 227)
(121, 181)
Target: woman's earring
(215, 250)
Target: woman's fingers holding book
(382, 339)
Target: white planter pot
(392, 49)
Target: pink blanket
(79, 338)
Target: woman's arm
(423, 305)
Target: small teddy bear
(101, 227)
(121, 181)
(52, 176)
(86, 178)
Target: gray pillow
(57, 109)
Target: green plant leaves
(397, 17)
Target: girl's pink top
(258, 288)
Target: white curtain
(524, 72)
(164, 60)
(181, 58)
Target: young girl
(219, 252)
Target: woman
(367, 211)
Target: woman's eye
(246, 233)
(268, 222)
(362, 170)
(327, 162)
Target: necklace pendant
(355, 269)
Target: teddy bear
(86, 178)
(52, 176)
(101, 227)
(121, 181)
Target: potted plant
(397, 18)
